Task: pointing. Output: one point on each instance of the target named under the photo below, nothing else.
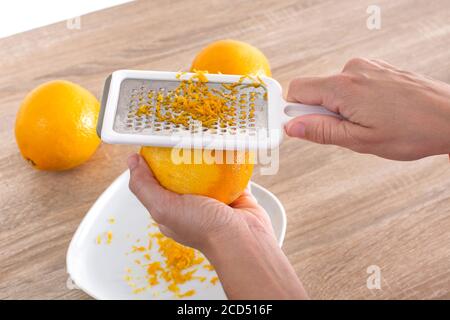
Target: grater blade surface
(135, 93)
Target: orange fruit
(56, 126)
(231, 57)
(224, 182)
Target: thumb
(159, 201)
(325, 130)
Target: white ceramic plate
(99, 269)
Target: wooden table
(346, 211)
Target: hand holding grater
(257, 122)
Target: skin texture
(237, 239)
(389, 112)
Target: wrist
(227, 240)
(251, 265)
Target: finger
(148, 190)
(365, 66)
(248, 191)
(381, 63)
(249, 203)
(245, 200)
(167, 231)
(312, 90)
(327, 130)
(356, 65)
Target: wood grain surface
(346, 211)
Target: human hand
(238, 239)
(194, 220)
(388, 112)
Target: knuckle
(378, 62)
(355, 63)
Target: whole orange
(224, 182)
(231, 57)
(56, 126)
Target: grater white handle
(293, 109)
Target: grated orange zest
(193, 102)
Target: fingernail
(133, 161)
(297, 129)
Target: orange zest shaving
(208, 267)
(178, 266)
(140, 249)
(109, 236)
(214, 280)
(178, 261)
(193, 102)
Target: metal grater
(126, 90)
